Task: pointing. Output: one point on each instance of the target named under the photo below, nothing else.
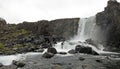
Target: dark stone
(87, 50)
(48, 55)
(52, 50)
(81, 58)
(72, 51)
(18, 64)
(78, 48)
(1, 65)
(62, 27)
(98, 61)
(63, 53)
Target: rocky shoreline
(76, 61)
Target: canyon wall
(109, 21)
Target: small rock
(63, 53)
(98, 61)
(81, 58)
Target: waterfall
(81, 29)
(87, 29)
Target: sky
(17, 11)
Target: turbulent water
(87, 30)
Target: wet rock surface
(48, 55)
(83, 49)
(76, 61)
(9, 67)
(52, 50)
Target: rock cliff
(109, 21)
(66, 28)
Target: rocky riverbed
(69, 61)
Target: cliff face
(2, 23)
(109, 21)
(61, 27)
(30, 36)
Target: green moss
(16, 33)
(1, 45)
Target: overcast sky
(16, 11)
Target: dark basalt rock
(18, 64)
(63, 27)
(30, 36)
(52, 50)
(62, 53)
(81, 58)
(87, 50)
(48, 55)
(99, 61)
(109, 21)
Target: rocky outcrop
(33, 36)
(109, 21)
(2, 22)
(65, 28)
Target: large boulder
(48, 55)
(78, 48)
(86, 50)
(18, 64)
(52, 50)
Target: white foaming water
(87, 29)
(81, 29)
(7, 60)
